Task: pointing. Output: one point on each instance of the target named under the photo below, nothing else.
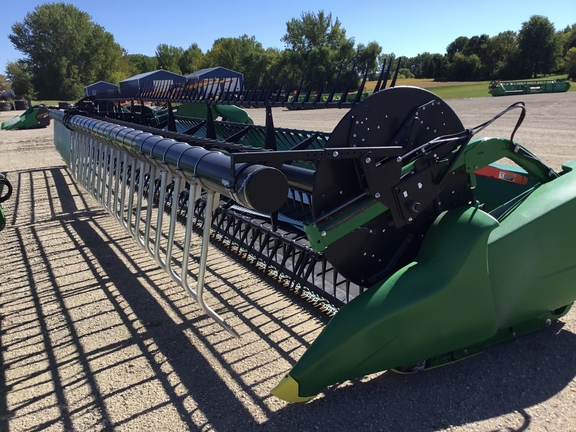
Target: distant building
(149, 82)
(102, 88)
(216, 80)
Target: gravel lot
(94, 336)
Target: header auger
(400, 224)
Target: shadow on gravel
(157, 328)
(160, 323)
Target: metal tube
(211, 199)
(136, 231)
(171, 229)
(193, 195)
(128, 223)
(160, 219)
(151, 185)
(241, 182)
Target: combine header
(502, 88)
(34, 117)
(399, 223)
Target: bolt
(323, 233)
(475, 167)
(368, 160)
(547, 322)
(399, 159)
(377, 195)
(415, 206)
(335, 154)
(410, 219)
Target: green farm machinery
(424, 244)
(502, 88)
(36, 116)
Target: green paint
(322, 236)
(34, 117)
(481, 277)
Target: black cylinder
(259, 187)
(299, 178)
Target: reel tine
(297, 94)
(309, 90)
(289, 88)
(393, 84)
(335, 86)
(379, 82)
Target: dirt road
(94, 336)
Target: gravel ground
(94, 336)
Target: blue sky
(405, 28)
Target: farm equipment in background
(399, 224)
(36, 116)
(502, 88)
(229, 113)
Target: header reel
(398, 217)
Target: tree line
(537, 48)
(59, 60)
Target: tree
(464, 68)
(64, 50)
(191, 59)
(540, 48)
(4, 84)
(244, 54)
(477, 45)
(427, 65)
(569, 38)
(405, 73)
(570, 63)
(125, 69)
(458, 46)
(367, 57)
(20, 77)
(141, 63)
(315, 37)
(316, 44)
(168, 57)
(501, 56)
